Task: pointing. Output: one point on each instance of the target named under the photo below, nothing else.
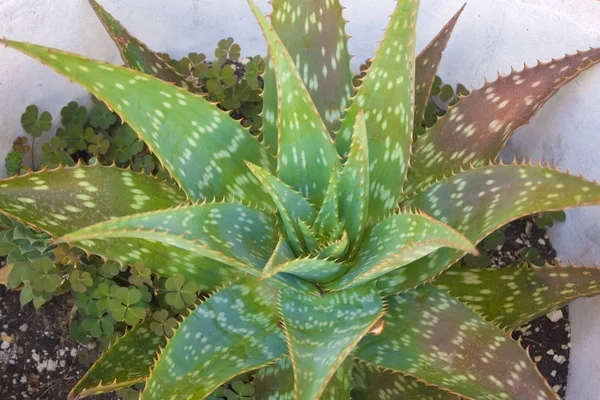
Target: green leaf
(127, 305)
(386, 97)
(126, 362)
(426, 66)
(308, 235)
(305, 149)
(173, 123)
(80, 281)
(327, 220)
(227, 49)
(34, 123)
(372, 383)
(397, 241)
(313, 33)
(477, 129)
(181, 293)
(311, 322)
(334, 250)
(13, 163)
(42, 275)
(439, 340)
(313, 269)
(220, 339)
(277, 382)
(54, 154)
(231, 233)
(290, 204)
(73, 114)
(101, 117)
(162, 325)
(512, 296)
(74, 198)
(354, 185)
(136, 54)
(479, 201)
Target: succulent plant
(327, 264)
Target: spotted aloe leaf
(136, 54)
(174, 123)
(373, 383)
(305, 149)
(69, 198)
(127, 362)
(313, 32)
(432, 336)
(220, 339)
(512, 296)
(277, 381)
(426, 66)
(309, 324)
(354, 184)
(313, 269)
(477, 129)
(335, 249)
(290, 204)
(386, 97)
(397, 241)
(213, 230)
(479, 201)
(327, 220)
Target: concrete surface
(491, 36)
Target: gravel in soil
(38, 360)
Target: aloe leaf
(327, 220)
(308, 235)
(397, 241)
(477, 129)
(336, 249)
(313, 32)
(234, 331)
(479, 201)
(277, 382)
(180, 128)
(127, 362)
(305, 149)
(270, 112)
(69, 198)
(231, 233)
(282, 254)
(386, 97)
(432, 336)
(512, 296)
(313, 269)
(373, 383)
(309, 324)
(290, 204)
(136, 54)
(427, 63)
(354, 184)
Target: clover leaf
(143, 163)
(227, 49)
(34, 123)
(73, 114)
(162, 325)
(180, 293)
(54, 154)
(219, 78)
(76, 137)
(139, 275)
(43, 275)
(98, 145)
(254, 69)
(125, 145)
(126, 305)
(101, 117)
(20, 144)
(98, 322)
(80, 280)
(239, 390)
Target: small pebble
(542, 241)
(555, 315)
(23, 328)
(559, 358)
(4, 345)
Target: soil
(38, 359)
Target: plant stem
(32, 156)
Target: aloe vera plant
(328, 265)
